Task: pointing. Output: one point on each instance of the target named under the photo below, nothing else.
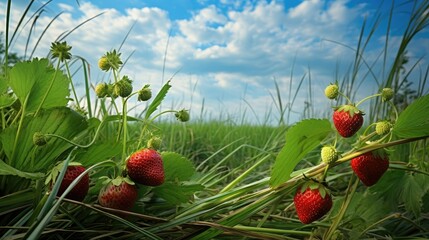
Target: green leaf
(6, 100)
(177, 193)
(30, 81)
(5, 169)
(300, 140)
(414, 120)
(413, 191)
(98, 152)
(177, 167)
(28, 157)
(158, 99)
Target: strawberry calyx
(313, 185)
(117, 181)
(350, 109)
(53, 175)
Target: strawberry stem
(365, 99)
(347, 98)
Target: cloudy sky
(227, 54)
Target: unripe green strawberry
(145, 93)
(347, 120)
(329, 154)
(118, 195)
(146, 167)
(101, 90)
(382, 127)
(123, 87)
(370, 166)
(331, 91)
(387, 94)
(111, 60)
(103, 63)
(182, 115)
(112, 93)
(154, 142)
(312, 201)
(80, 190)
(39, 139)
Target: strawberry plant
(83, 167)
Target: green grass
(221, 183)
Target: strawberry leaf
(177, 193)
(158, 99)
(413, 190)
(6, 169)
(30, 81)
(300, 140)
(414, 120)
(177, 167)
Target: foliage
(221, 179)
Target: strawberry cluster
(312, 201)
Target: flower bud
(39, 139)
(387, 94)
(182, 115)
(102, 90)
(145, 93)
(331, 91)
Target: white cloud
(223, 50)
(65, 7)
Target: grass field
(223, 179)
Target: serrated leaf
(177, 167)
(300, 140)
(31, 158)
(176, 193)
(158, 99)
(5, 169)
(414, 120)
(30, 81)
(413, 192)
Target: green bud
(102, 90)
(145, 93)
(329, 154)
(387, 94)
(154, 142)
(331, 91)
(61, 51)
(382, 127)
(182, 115)
(123, 87)
(39, 139)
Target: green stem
(18, 131)
(124, 129)
(87, 87)
(146, 124)
(243, 175)
(369, 97)
(347, 98)
(273, 230)
(394, 215)
(76, 144)
(343, 209)
(57, 69)
(72, 85)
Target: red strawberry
(312, 202)
(80, 190)
(347, 120)
(118, 194)
(370, 166)
(145, 167)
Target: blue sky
(228, 53)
